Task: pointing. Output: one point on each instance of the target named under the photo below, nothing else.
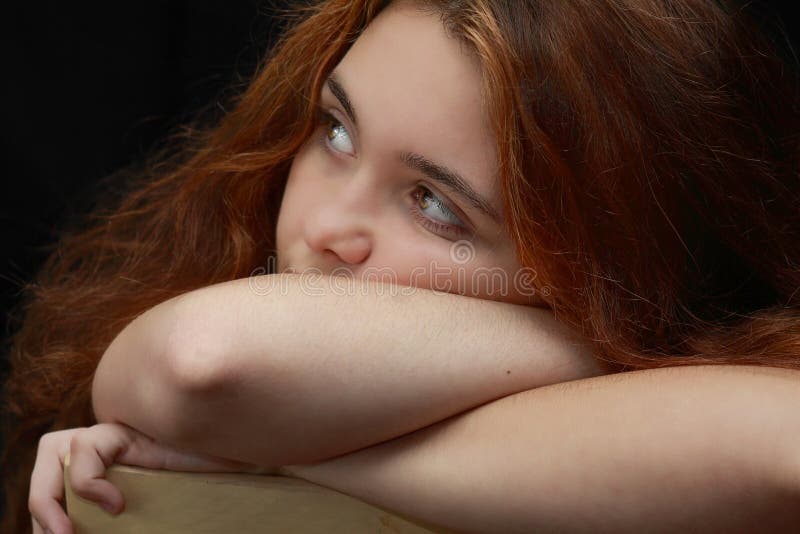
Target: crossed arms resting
(475, 415)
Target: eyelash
(437, 227)
(324, 118)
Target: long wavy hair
(649, 163)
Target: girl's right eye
(336, 138)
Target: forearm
(672, 450)
(302, 373)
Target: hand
(91, 451)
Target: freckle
(508, 372)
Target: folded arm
(671, 450)
(294, 378)
(302, 372)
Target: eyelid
(450, 205)
(334, 112)
(445, 230)
(332, 124)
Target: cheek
(487, 277)
(298, 197)
(285, 216)
(419, 263)
(290, 218)
(504, 281)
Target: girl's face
(399, 181)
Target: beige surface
(198, 503)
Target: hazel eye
(338, 138)
(434, 215)
(433, 207)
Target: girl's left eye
(336, 136)
(433, 214)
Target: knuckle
(44, 441)
(81, 486)
(78, 440)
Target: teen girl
(630, 166)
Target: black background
(88, 89)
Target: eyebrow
(438, 173)
(451, 180)
(341, 95)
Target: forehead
(417, 89)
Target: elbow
(194, 379)
(161, 388)
(193, 363)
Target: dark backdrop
(88, 90)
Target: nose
(339, 228)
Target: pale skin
(413, 388)
(641, 451)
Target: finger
(92, 451)
(47, 486)
(38, 529)
(147, 453)
(144, 451)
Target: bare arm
(301, 374)
(712, 449)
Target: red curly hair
(649, 163)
